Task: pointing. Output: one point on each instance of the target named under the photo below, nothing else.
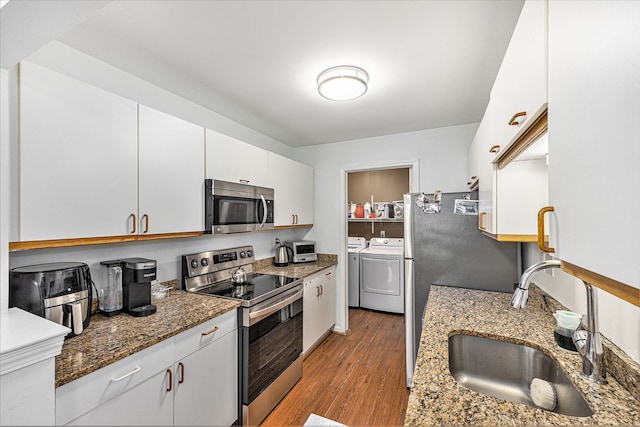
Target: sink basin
(505, 370)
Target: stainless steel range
(270, 343)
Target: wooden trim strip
(527, 136)
(512, 237)
(62, 243)
(619, 289)
(284, 227)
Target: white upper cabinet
(78, 158)
(171, 174)
(521, 83)
(292, 182)
(511, 197)
(229, 159)
(480, 156)
(594, 125)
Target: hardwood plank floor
(356, 379)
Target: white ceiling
(431, 63)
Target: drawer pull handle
(541, 244)
(244, 181)
(137, 369)
(181, 380)
(513, 121)
(494, 149)
(170, 384)
(204, 334)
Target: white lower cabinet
(319, 307)
(205, 390)
(190, 379)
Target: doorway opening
(377, 185)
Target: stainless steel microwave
(301, 251)
(232, 207)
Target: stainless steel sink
(505, 370)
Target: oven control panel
(214, 261)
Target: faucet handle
(579, 339)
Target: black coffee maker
(137, 274)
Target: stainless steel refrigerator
(446, 248)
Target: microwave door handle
(264, 208)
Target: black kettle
(282, 257)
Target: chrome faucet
(588, 342)
(521, 294)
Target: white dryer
(382, 275)
(354, 246)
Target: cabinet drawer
(86, 393)
(204, 334)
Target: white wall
(167, 253)
(619, 320)
(442, 158)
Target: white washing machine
(382, 275)
(354, 246)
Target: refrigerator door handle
(409, 310)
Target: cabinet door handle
(481, 225)
(494, 149)
(317, 291)
(181, 380)
(137, 369)
(541, 244)
(293, 219)
(296, 218)
(321, 290)
(133, 216)
(513, 121)
(170, 382)
(145, 217)
(204, 334)
(244, 181)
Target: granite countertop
(436, 397)
(301, 270)
(109, 339)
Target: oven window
(305, 249)
(269, 347)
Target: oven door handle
(277, 306)
(264, 208)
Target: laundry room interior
(377, 187)
(376, 238)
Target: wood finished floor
(356, 379)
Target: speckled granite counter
(108, 340)
(437, 398)
(301, 270)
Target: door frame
(342, 303)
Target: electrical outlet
(383, 233)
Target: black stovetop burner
(257, 288)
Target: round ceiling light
(343, 83)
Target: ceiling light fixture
(343, 83)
